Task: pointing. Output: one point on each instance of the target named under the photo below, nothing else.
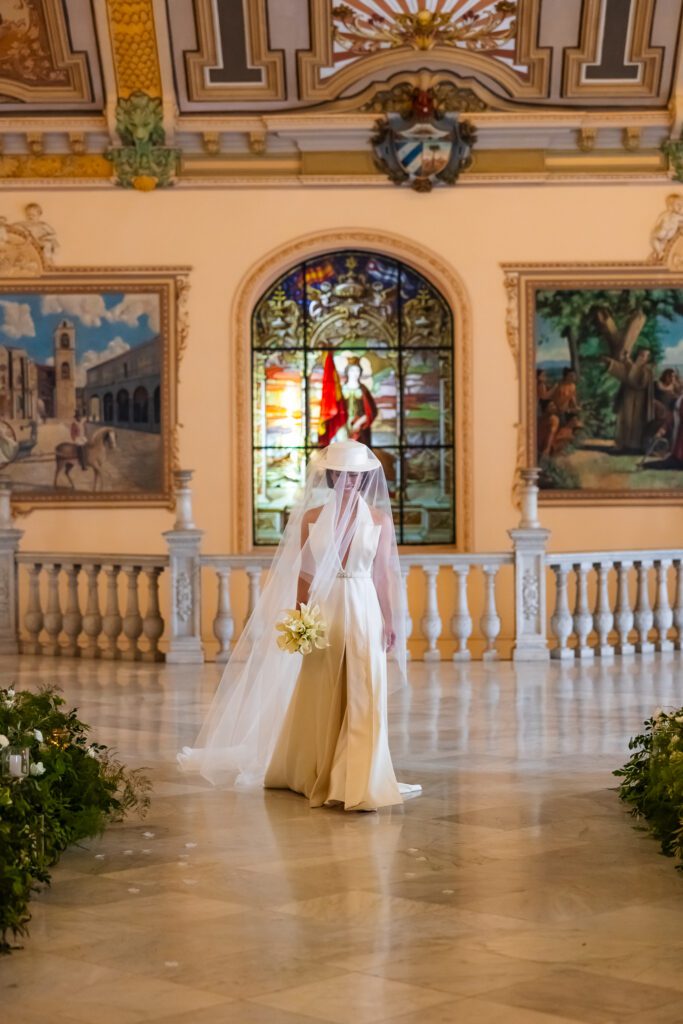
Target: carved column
(431, 621)
(92, 620)
(643, 618)
(583, 619)
(561, 620)
(132, 619)
(53, 612)
(603, 617)
(111, 620)
(664, 616)
(153, 624)
(73, 620)
(184, 548)
(9, 545)
(530, 542)
(461, 621)
(490, 619)
(33, 616)
(224, 623)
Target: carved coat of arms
(423, 146)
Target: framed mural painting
(88, 379)
(600, 355)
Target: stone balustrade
(91, 606)
(602, 604)
(609, 603)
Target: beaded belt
(344, 575)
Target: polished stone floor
(514, 891)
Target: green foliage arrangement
(652, 780)
(74, 790)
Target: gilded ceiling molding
(37, 64)
(261, 276)
(134, 47)
(639, 52)
(210, 55)
(457, 93)
(443, 51)
(55, 167)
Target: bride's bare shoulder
(311, 516)
(381, 518)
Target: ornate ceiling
(289, 90)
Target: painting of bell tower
(65, 370)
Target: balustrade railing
(92, 606)
(603, 603)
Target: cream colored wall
(222, 235)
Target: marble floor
(515, 890)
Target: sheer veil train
(343, 513)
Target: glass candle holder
(14, 762)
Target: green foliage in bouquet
(74, 790)
(652, 780)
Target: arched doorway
(108, 407)
(123, 407)
(140, 405)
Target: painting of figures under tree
(355, 345)
(608, 390)
(83, 392)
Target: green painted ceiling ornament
(142, 161)
(673, 148)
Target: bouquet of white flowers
(302, 629)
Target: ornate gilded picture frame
(88, 376)
(599, 350)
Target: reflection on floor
(514, 890)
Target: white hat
(349, 457)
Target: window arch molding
(264, 274)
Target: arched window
(65, 340)
(374, 329)
(122, 407)
(140, 405)
(157, 405)
(65, 371)
(108, 407)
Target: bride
(317, 724)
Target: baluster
(73, 620)
(643, 618)
(33, 618)
(405, 570)
(663, 615)
(254, 574)
(152, 624)
(92, 620)
(583, 620)
(678, 605)
(111, 621)
(53, 612)
(623, 617)
(603, 619)
(561, 621)
(132, 619)
(224, 623)
(461, 622)
(490, 620)
(431, 621)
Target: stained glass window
(355, 345)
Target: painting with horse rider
(84, 380)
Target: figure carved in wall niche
(40, 231)
(667, 227)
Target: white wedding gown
(334, 746)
